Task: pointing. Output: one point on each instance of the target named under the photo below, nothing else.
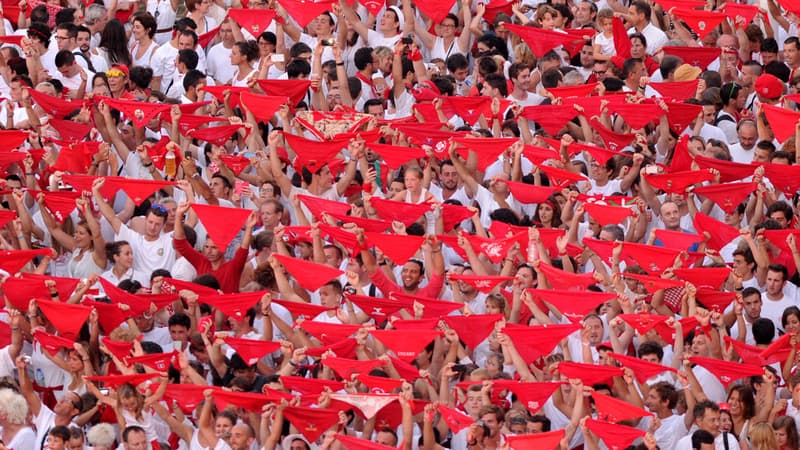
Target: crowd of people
(296, 225)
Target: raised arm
(105, 208)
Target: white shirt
(148, 255)
(218, 63)
(654, 36)
(719, 444)
(163, 64)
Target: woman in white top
(144, 28)
(242, 56)
(77, 363)
(86, 242)
(415, 191)
(198, 11)
(445, 42)
(121, 254)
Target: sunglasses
(115, 73)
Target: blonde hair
(762, 437)
(13, 406)
(544, 9)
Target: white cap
(400, 17)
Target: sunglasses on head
(115, 73)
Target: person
(13, 415)
(143, 31)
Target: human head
(144, 24)
(134, 438)
(13, 407)
(706, 416)
(57, 438)
(777, 275)
(786, 432)
(101, 436)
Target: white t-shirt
(163, 64)
(218, 63)
(148, 255)
(655, 37)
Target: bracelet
(54, 294)
(437, 251)
(382, 263)
(340, 64)
(149, 164)
(739, 289)
(29, 174)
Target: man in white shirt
(219, 56)
(774, 300)
(639, 16)
(706, 417)
(163, 61)
(661, 400)
(744, 149)
(72, 76)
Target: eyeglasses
(448, 25)
(115, 73)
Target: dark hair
(179, 319)
(651, 348)
(71, 29)
(770, 45)
(539, 418)
(298, 49)
(666, 391)
(779, 268)
(456, 61)
(114, 249)
(113, 40)
(131, 429)
(185, 23)
(763, 331)
(64, 58)
(191, 34)
(66, 15)
(147, 21)
(515, 69)
(248, 49)
(207, 280)
(297, 67)
(642, 8)
(746, 397)
(60, 432)
(141, 76)
(729, 92)
(701, 437)
(750, 291)
(363, 57)
(189, 58)
(790, 311)
(40, 14)
(192, 79)
(40, 32)
(495, 42)
(700, 408)
(551, 77)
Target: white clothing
(162, 11)
(218, 63)
(654, 36)
(163, 64)
(439, 50)
(83, 267)
(606, 44)
(147, 57)
(686, 442)
(183, 270)
(130, 274)
(235, 81)
(773, 309)
(740, 155)
(148, 255)
(73, 83)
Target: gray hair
(94, 13)
(13, 406)
(102, 435)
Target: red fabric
(83, 184)
(538, 155)
(234, 305)
(373, 225)
(651, 259)
(309, 275)
(715, 300)
(76, 158)
(603, 249)
(115, 381)
(398, 247)
(138, 189)
(455, 420)
(373, 6)
(67, 318)
(750, 354)
(236, 163)
(599, 154)
(679, 90)
(487, 150)
(701, 22)
(378, 308)
(430, 134)
(6, 217)
(637, 115)
(222, 224)
(14, 39)
(654, 283)
(614, 410)
(790, 5)
(379, 385)
(581, 90)
(217, 135)
(345, 349)
(529, 193)
(204, 39)
(546, 440)
(188, 396)
(395, 156)
(157, 153)
(483, 283)
(532, 395)
(407, 213)
(643, 322)
(120, 349)
(249, 401)
(605, 215)
(729, 171)
(189, 122)
(721, 233)
(294, 89)
(536, 341)
(727, 372)
(13, 260)
(436, 11)
(141, 113)
(110, 316)
(574, 304)
(9, 158)
(309, 386)
(329, 333)
(346, 368)
(561, 178)
(697, 56)
(552, 118)
(782, 121)
(784, 178)
(591, 374)
(688, 4)
(55, 106)
(255, 21)
(727, 196)
(678, 240)
(560, 279)
(473, 329)
(12, 139)
(453, 215)
(219, 93)
(493, 7)
(67, 129)
(317, 205)
(777, 351)
(199, 289)
(311, 422)
(157, 361)
(60, 203)
(642, 370)
(616, 437)
(303, 12)
(622, 42)
(52, 343)
(354, 443)
(406, 344)
(307, 310)
(119, 296)
(263, 107)
(679, 117)
(251, 350)
(614, 141)
(711, 277)
(539, 40)
(469, 108)
(431, 307)
(494, 249)
(345, 238)
(315, 154)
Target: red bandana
(591, 374)
(488, 150)
(315, 154)
(406, 344)
(140, 190)
(188, 285)
(263, 107)
(637, 115)
(6, 217)
(219, 93)
(67, 129)
(550, 439)
(158, 152)
(581, 90)
(204, 39)
(9, 158)
(622, 42)
(614, 141)
(455, 420)
(303, 11)
(115, 381)
(711, 277)
(373, 6)
(562, 178)
(653, 284)
(188, 396)
(328, 333)
(379, 385)
(715, 300)
(251, 350)
(346, 368)
(56, 106)
(407, 213)
(236, 163)
(233, 305)
(642, 370)
(750, 354)
(473, 329)
(12, 139)
(605, 214)
(250, 401)
(539, 40)
(432, 307)
(65, 317)
(427, 111)
(15, 40)
(294, 89)
(614, 410)
(139, 112)
(701, 22)
(678, 182)
(309, 386)
(538, 155)
(616, 437)
(790, 6)
(311, 422)
(378, 308)
(721, 233)
(680, 116)
(560, 279)
(651, 259)
(218, 135)
(309, 275)
(697, 56)
(436, 11)
(255, 21)
(374, 225)
(599, 154)
(427, 134)
(469, 108)
(453, 215)
(318, 205)
(398, 247)
(345, 349)
(60, 203)
(52, 343)
(354, 443)
(782, 121)
(777, 351)
(483, 283)
(785, 178)
(83, 185)
(120, 349)
(529, 193)
(13, 260)
(494, 249)
(532, 395)
(222, 224)
(643, 322)
(552, 118)
(109, 315)
(573, 304)
(76, 157)
(345, 238)
(157, 361)
(678, 240)
(678, 90)
(727, 372)
(727, 196)
(603, 249)
(536, 341)
(395, 156)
